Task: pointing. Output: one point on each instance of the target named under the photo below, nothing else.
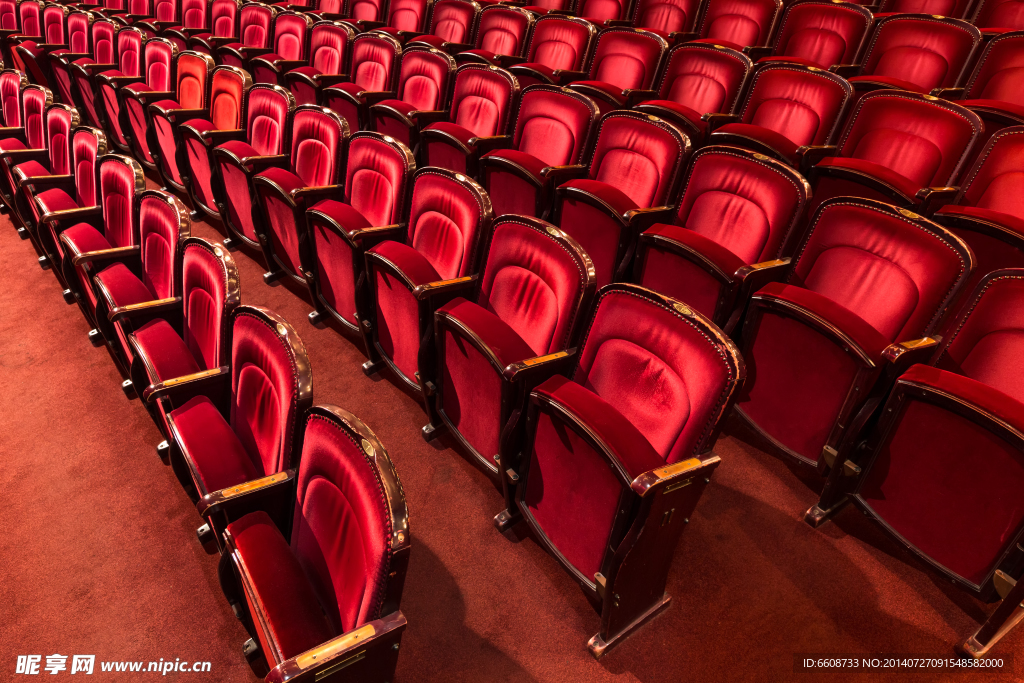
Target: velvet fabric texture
(999, 13)
(85, 151)
(503, 31)
(423, 83)
(530, 293)
(117, 188)
(328, 54)
(78, 33)
(217, 455)
(8, 16)
(997, 75)
(204, 294)
(453, 21)
(626, 59)
(552, 128)
(227, 93)
(58, 135)
(600, 11)
(408, 15)
(373, 62)
(255, 22)
(821, 34)
(164, 353)
(103, 50)
(703, 78)
(881, 278)
(666, 16)
(945, 484)
(192, 75)
(33, 102)
(223, 17)
(31, 15)
(10, 98)
(558, 43)
(291, 38)
(53, 25)
(739, 23)
(917, 52)
(744, 205)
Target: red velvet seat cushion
(453, 130)
(998, 105)
(124, 287)
(780, 143)
(166, 355)
(894, 83)
(283, 591)
(691, 115)
(899, 182)
(988, 215)
(137, 88)
(486, 55)
(619, 434)
(611, 196)
(612, 91)
(32, 169)
(508, 346)
(870, 340)
(284, 178)
(55, 199)
(411, 262)
(218, 456)
(348, 88)
(527, 162)
(343, 214)
(306, 71)
(199, 125)
(239, 148)
(400, 106)
(540, 68)
(7, 144)
(165, 106)
(724, 259)
(86, 238)
(432, 41)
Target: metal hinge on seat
(829, 455)
(1003, 582)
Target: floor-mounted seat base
(598, 646)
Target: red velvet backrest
(60, 121)
(373, 61)
(744, 202)
(31, 13)
(446, 219)
(167, 10)
(454, 20)
(424, 78)
(256, 19)
(482, 99)
(227, 97)
(553, 124)
(376, 175)
(53, 24)
(706, 78)
(264, 387)
(928, 51)
(823, 33)
(78, 32)
(290, 31)
(223, 17)
(160, 220)
(997, 180)
(10, 94)
(208, 280)
(34, 101)
(666, 16)
(342, 528)
(193, 72)
(193, 13)
(407, 15)
(269, 108)
(367, 10)
(895, 271)
(638, 156)
(129, 51)
(86, 147)
(8, 15)
(999, 13)
(140, 7)
(503, 30)
(603, 10)
(668, 373)
(103, 32)
(999, 74)
(987, 342)
(627, 58)
(318, 140)
(801, 104)
(923, 140)
(328, 47)
(740, 23)
(330, 6)
(942, 8)
(561, 42)
(120, 180)
(534, 282)
(159, 56)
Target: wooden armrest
(641, 219)
(490, 143)
(101, 256)
(77, 215)
(37, 183)
(811, 154)
(453, 287)
(635, 97)
(535, 371)
(715, 120)
(369, 237)
(218, 137)
(188, 386)
(557, 175)
(274, 494)
(150, 309)
(932, 198)
(948, 93)
(845, 70)
(901, 355)
(311, 194)
(257, 164)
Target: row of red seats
(391, 320)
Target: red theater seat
(406, 281)
(557, 51)
(188, 334)
(131, 43)
(501, 37)
(623, 68)
(819, 33)
(740, 217)
(319, 144)
(328, 62)
(788, 111)
(634, 174)
(264, 144)
(255, 32)
(452, 26)
(992, 16)
(376, 60)
(699, 86)
(739, 24)
(159, 57)
(552, 131)
(495, 344)
(103, 58)
(617, 457)
(676, 19)
(144, 276)
(378, 178)
(223, 27)
(869, 285)
(224, 120)
(425, 85)
(480, 116)
(944, 8)
(901, 147)
(79, 40)
(20, 142)
(316, 560)
(407, 18)
(290, 49)
(194, 19)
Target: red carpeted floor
(98, 553)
